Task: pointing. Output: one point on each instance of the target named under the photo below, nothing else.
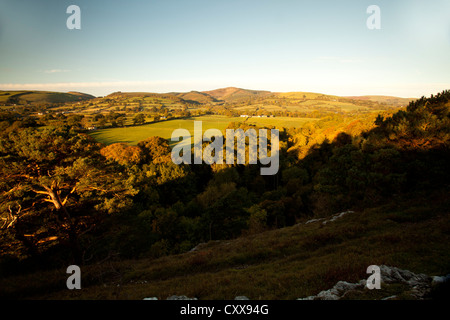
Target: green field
(133, 134)
(280, 122)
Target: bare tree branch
(12, 218)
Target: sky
(322, 46)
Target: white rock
(337, 216)
(335, 293)
(313, 220)
(419, 284)
(440, 279)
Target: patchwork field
(133, 134)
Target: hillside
(284, 264)
(374, 193)
(352, 189)
(41, 97)
(229, 101)
(389, 100)
(196, 97)
(232, 94)
(242, 100)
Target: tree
(155, 150)
(139, 119)
(122, 153)
(257, 221)
(121, 121)
(60, 183)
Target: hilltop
(196, 97)
(41, 97)
(233, 94)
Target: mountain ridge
(220, 95)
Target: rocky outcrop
(418, 285)
(337, 292)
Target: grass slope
(42, 97)
(232, 94)
(283, 264)
(196, 97)
(132, 135)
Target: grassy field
(5, 95)
(133, 134)
(280, 122)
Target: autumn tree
(122, 153)
(155, 150)
(139, 119)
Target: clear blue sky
(277, 45)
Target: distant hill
(41, 97)
(232, 94)
(196, 97)
(393, 101)
(262, 99)
(120, 94)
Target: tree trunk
(74, 242)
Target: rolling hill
(242, 100)
(394, 101)
(232, 94)
(196, 97)
(41, 97)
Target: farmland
(133, 134)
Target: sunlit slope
(41, 97)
